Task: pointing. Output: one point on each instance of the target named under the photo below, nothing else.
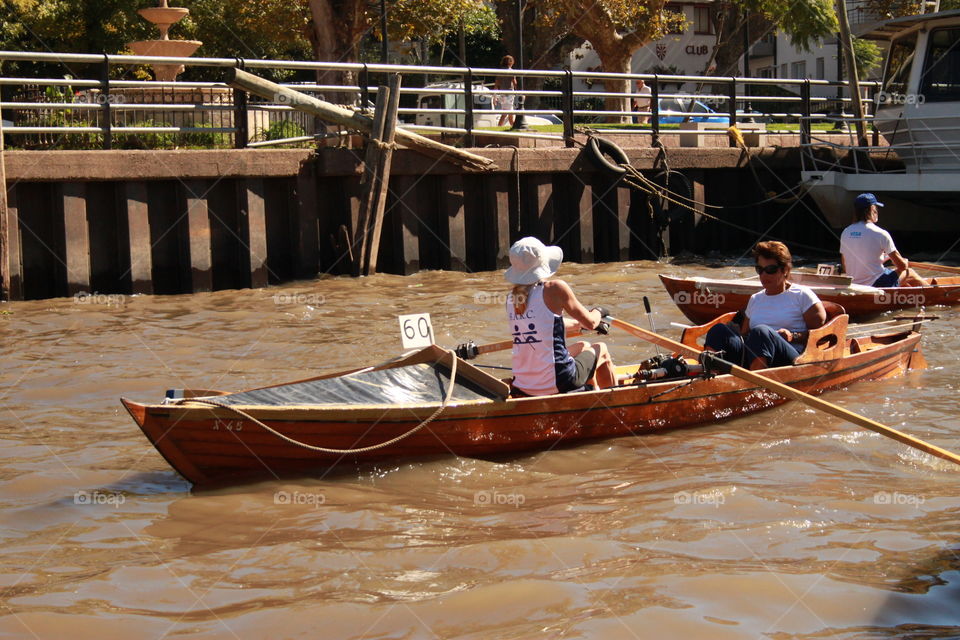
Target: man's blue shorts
(890, 278)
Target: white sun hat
(532, 261)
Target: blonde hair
(521, 295)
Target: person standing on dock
(864, 247)
(778, 319)
(543, 363)
(642, 103)
(501, 100)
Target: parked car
(674, 110)
(482, 107)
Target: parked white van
(482, 107)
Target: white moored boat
(916, 112)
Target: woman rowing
(778, 318)
(543, 363)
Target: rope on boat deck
(311, 447)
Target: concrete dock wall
(183, 221)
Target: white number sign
(416, 330)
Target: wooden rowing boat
(365, 407)
(702, 299)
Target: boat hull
(212, 444)
(702, 300)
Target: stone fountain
(165, 17)
(213, 102)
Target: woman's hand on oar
(786, 391)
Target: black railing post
(240, 115)
(805, 112)
(733, 104)
(655, 111)
(364, 87)
(105, 100)
(566, 104)
(468, 105)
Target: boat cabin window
(899, 63)
(941, 70)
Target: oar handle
(507, 344)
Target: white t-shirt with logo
(782, 311)
(864, 247)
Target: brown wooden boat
(264, 432)
(702, 299)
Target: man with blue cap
(864, 247)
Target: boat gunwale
(594, 398)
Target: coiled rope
(243, 414)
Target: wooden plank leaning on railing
(336, 114)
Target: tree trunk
(336, 29)
(730, 40)
(615, 59)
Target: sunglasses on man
(770, 269)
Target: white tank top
(541, 363)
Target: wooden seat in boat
(825, 343)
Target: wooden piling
(384, 164)
(254, 230)
(453, 219)
(76, 244)
(307, 227)
(198, 234)
(13, 263)
(498, 197)
(540, 208)
(138, 226)
(4, 229)
(370, 184)
(583, 196)
(406, 224)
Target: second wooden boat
(702, 299)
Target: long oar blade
(935, 267)
(794, 394)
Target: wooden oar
(935, 267)
(794, 394)
(475, 350)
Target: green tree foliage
(868, 56)
(614, 28)
(805, 22)
(276, 29)
(885, 9)
(432, 21)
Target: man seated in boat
(543, 363)
(864, 247)
(777, 319)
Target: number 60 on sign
(416, 330)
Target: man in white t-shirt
(864, 247)
(642, 102)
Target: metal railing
(103, 111)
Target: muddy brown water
(784, 524)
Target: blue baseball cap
(864, 200)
